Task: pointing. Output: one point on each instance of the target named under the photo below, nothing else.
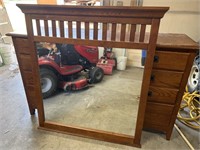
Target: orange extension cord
(189, 112)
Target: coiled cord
(189, 112)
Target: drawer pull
(150, 93)
(152, 77)
(156, 59)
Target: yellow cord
(189, 112)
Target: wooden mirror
(110, 105)
(53, 30)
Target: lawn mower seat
(42, 52)
(69, 55)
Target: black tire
(49, 82)
(96, 75)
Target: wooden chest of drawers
(172, 64)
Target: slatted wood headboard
(121, 27)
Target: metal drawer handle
(152, 77)
(150, 93)
(156, 59)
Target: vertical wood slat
(38, 27)
(70, 29)
(61, 28)
(142, 32)
(54, 27)
(113, 32)
(104, 33)
(132, 33)
(86, 30)
(95, 34)
(46, 27)
(78, 29)
(123, 32)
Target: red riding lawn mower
(72, 67)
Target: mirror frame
(124, 15)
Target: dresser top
(177, 41)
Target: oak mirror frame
(129, 18)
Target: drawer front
(163, 78)
(170, 60)
(157, 115)
(162, 95)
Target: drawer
(162, 95)
(170, 60)
(22, 46)
(158, 115)
(164, 78)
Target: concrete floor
(18, 130)
(111, 105)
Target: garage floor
(111, 105)
(18, 130)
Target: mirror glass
(92, 87)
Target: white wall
(183, 16)
(16, 16)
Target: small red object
(107, 65)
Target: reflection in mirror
(90, 86)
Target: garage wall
(183, 16)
